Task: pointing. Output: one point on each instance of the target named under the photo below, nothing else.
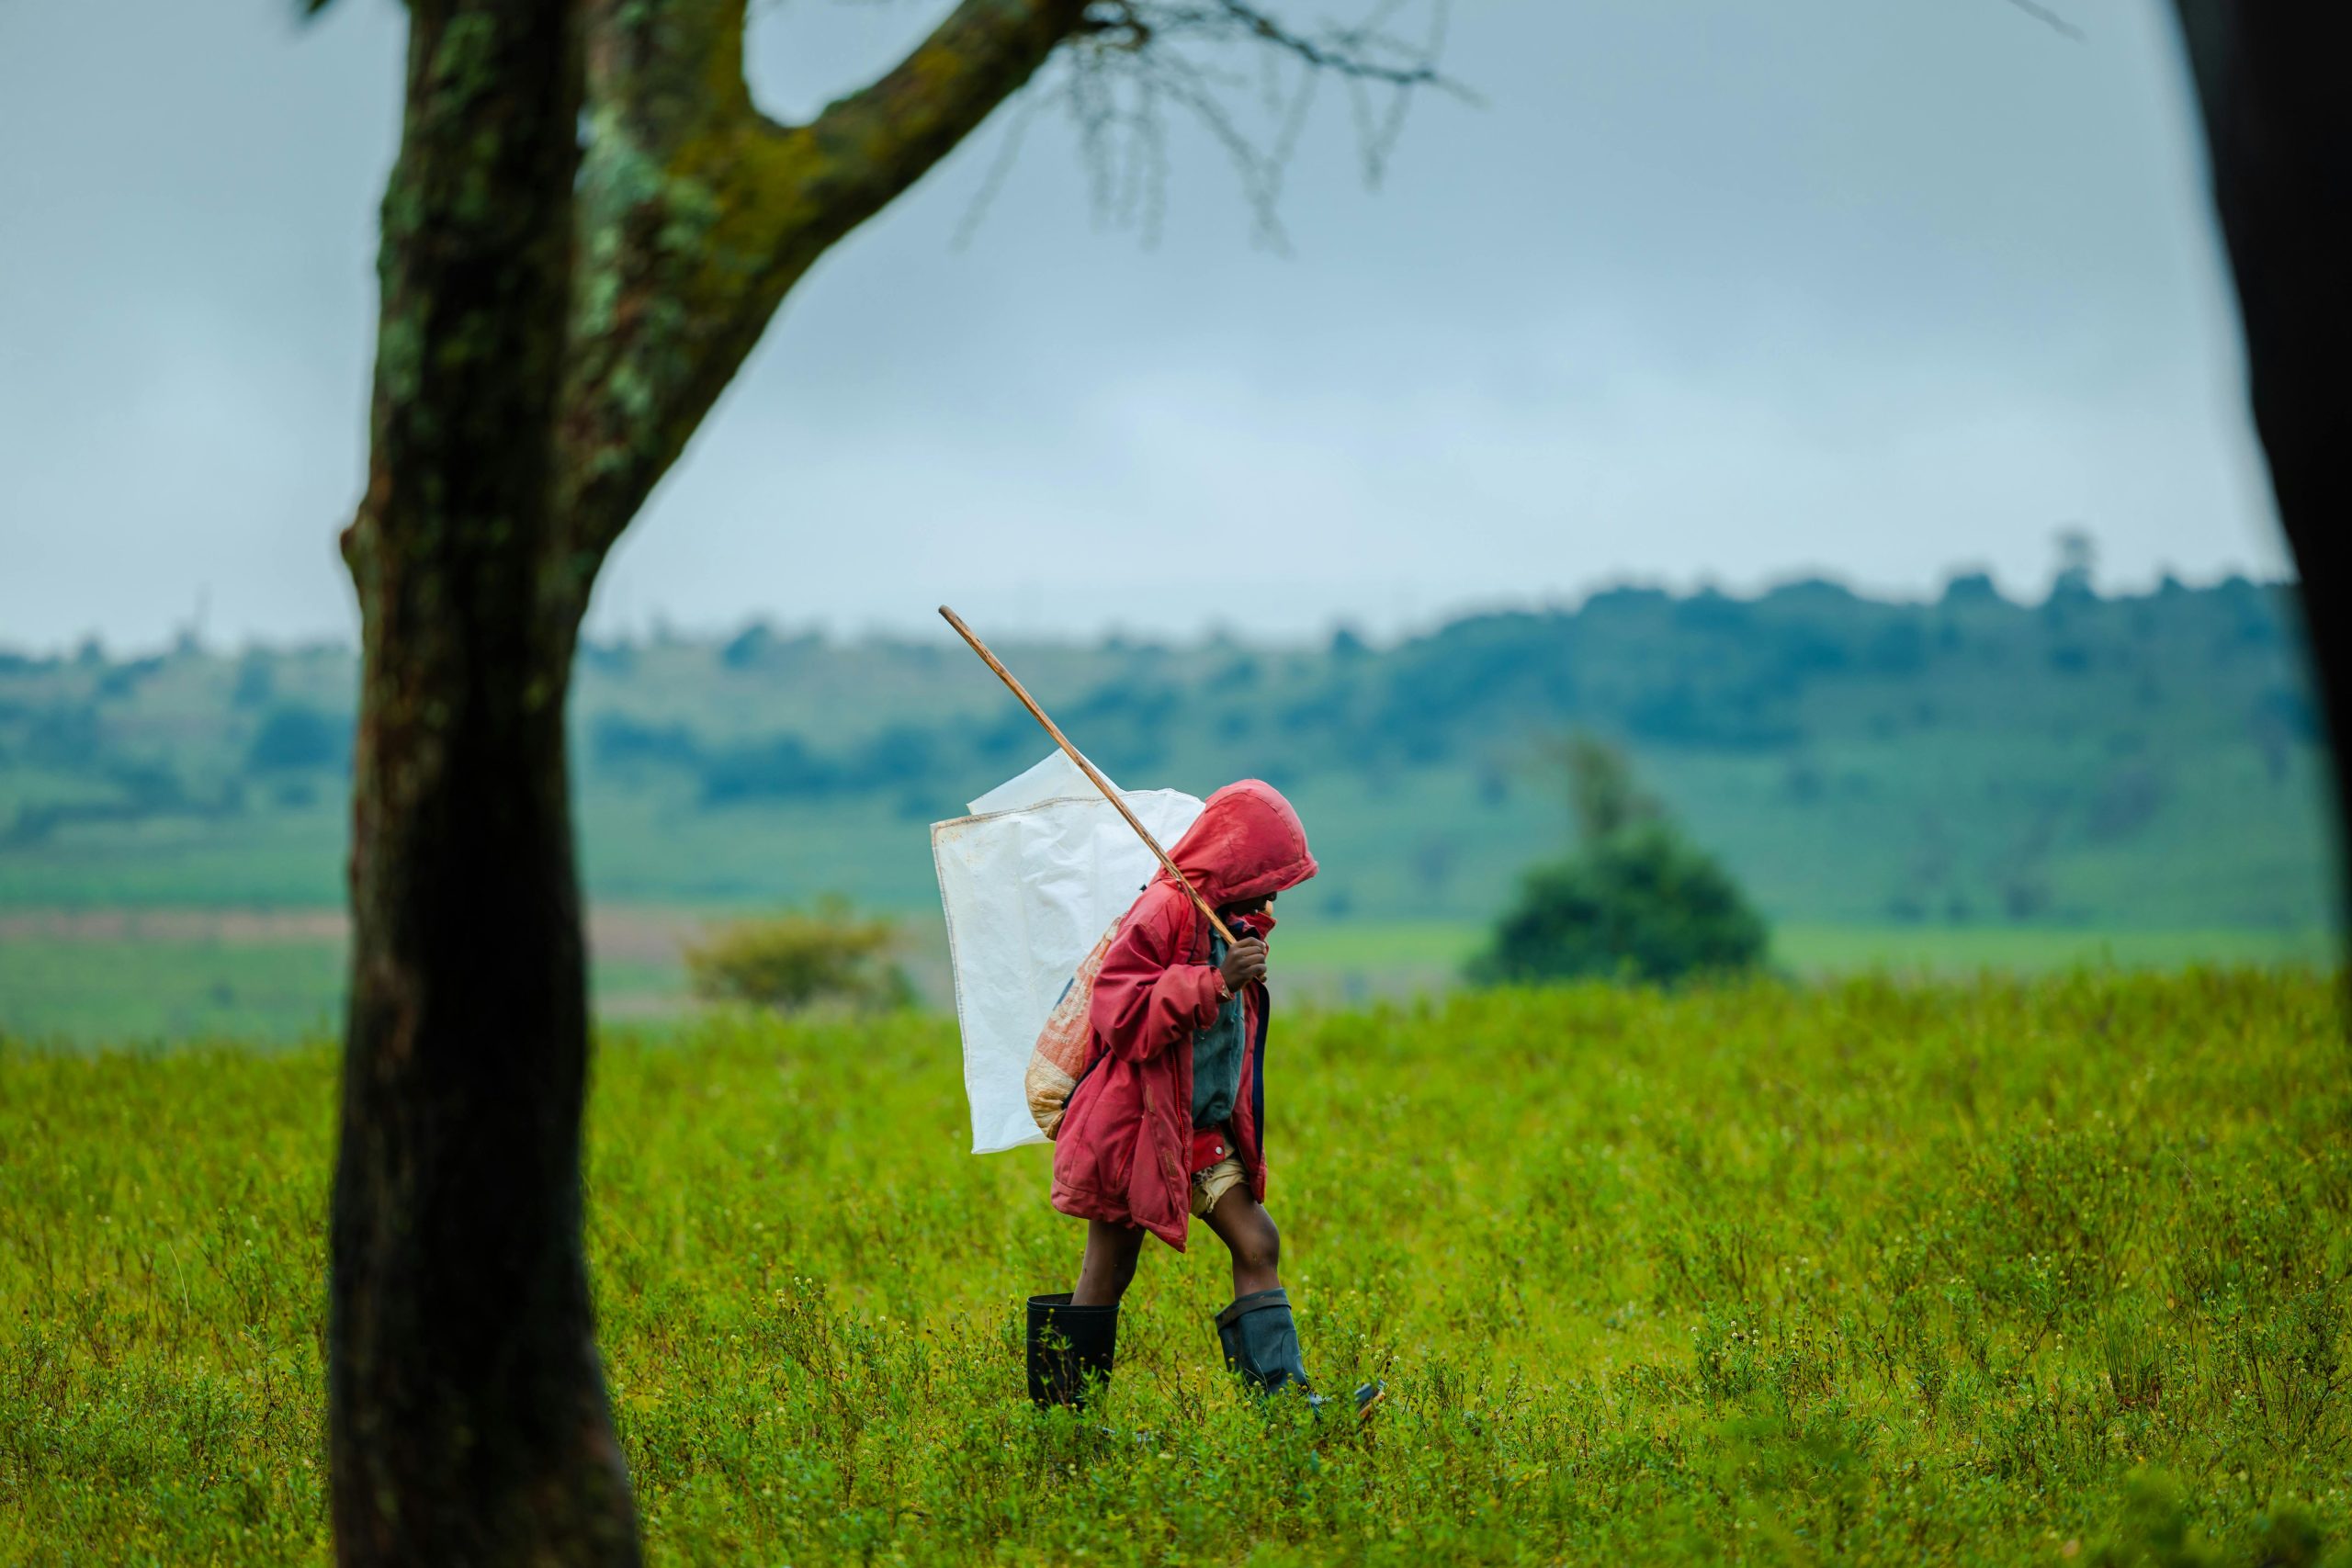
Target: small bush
(1635, 899)
(795, 962)
(1648, 906)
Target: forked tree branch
(698, 213)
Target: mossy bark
(698, 213)
(540, 362)
(467, 1409)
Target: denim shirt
(1216, 1056)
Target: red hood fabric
(1246, 843)
(1127, 1146)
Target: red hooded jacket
(1123, 1150)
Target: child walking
(1166, 1123)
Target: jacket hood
(1247, 841)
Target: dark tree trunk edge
(2277, 123)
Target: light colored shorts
(1214, 1183)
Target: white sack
(1030, 881)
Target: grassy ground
(1837, 833)
(2046, 1272)
(2033, 950)
(1358, 960)
(194, 975)
(252, 993)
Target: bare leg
(1247, 1231)
(1110, 1264)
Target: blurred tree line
(1803, 665)
(1800, 671)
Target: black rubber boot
(1261, 1341)
(1068, 1344)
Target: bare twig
(2050, 20)
(1131, 63)
(1007, 152)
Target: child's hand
(1245, 961)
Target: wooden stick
(1070, 752)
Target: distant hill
(2148, 761)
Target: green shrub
(1635, 899)
(795, 962)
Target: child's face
(1249, 906)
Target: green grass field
(2048, 1270)
(1401, 957)
(172, 987)
(250, 993)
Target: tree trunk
(467, 1410)
(468, 1422)
(2278, 126)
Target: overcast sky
(1708, 291)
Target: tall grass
(1995, 1272)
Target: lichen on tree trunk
(466, 1406)
(541, 362)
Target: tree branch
(1355, 52)
(2050, 20)
(698, 213)
(867, 148)
(1138, 62)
